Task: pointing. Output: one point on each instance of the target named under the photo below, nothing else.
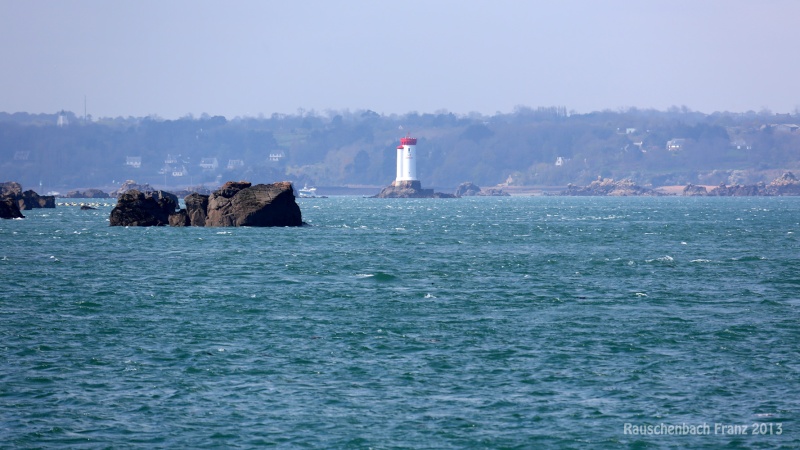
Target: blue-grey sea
(521, 322)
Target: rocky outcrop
(786, 184)
(410, 189)
(738, 190)
(611, 188)
(9, 209)
(89, 193)
(31, 200)
(467, 189)
(493, 192)
(131, 185)
(470, 189)
(238, 204)
(235, 204)
(10, 189)
(196, 209)
(139, 209)
(695, 191)
(27, 199)
(179, 219)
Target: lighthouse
(407, 160)
(406, 184)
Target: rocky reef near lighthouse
(410, 189)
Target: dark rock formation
(28, 199)
(692, 190)
(9, 209)
(179, 219)
(493, 192)
(410, 189)
(470, 189)
(86, 208)
(738, 190)
(467, 189)
(131, 185)
(32, 200)
(239, 204)
(235, 204)
(609, 187)
(10, 189)
(89, 193)
(196, 209)
(137, 209)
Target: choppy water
(468, 323)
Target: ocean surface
(522, 322)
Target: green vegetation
(543, 146)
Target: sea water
(520, 322)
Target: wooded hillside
(543, 147)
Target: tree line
(546, 146)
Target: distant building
(134, 161)
(675, 145)
(786, 128)
(740, 144)
(171, 159)
(275, 157)
(21, 156)
(179, 172)
(209, 163)
(235, 164)
(560, 161)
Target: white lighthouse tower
(407, 160)
(406, 184)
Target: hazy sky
(245, 58)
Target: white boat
(308, 191)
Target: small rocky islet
(235, 204)
(13, 200)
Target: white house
(209, 163)
(133, 161)
(235, 164)
(676, 144)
